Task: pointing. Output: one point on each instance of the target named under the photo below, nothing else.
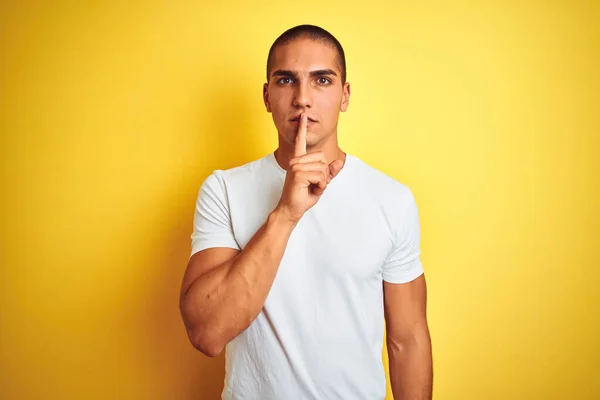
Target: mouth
(296, 119)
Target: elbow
(409, 341)
(200, 334)
(209, 350)
(206, 345)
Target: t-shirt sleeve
(212, 219)
(404, 263)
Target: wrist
(281, 216)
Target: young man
(297, 256)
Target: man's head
(306, 73)
(314, 33)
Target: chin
(311, 139)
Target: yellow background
(113, 114)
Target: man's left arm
(408, 339)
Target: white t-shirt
(320, 332)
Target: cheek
(279, 107)
(280, 113)
(330, 105)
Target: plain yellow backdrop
(113, 113)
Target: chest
(340, 241)
(339, 237)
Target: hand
(307, 177)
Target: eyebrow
(292, 74)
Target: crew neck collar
(283, 172)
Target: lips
(297, 119)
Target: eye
(323, 81)
(284, 81)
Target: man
(297, 256)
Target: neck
(285, 151)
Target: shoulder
(244, 174)
(387, 189)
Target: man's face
(305, 78)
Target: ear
(345, 97)
(266, 97)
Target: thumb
(334, 168)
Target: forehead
(305, 55)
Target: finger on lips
(300, 147)
(309, 164)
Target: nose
(302, 95)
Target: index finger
(300, 147)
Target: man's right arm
(223, 289)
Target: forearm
(411, 369)
(223, 302)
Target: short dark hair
(314, 33)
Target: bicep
(405, 308)
(204, 261)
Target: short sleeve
(212, 219)
(403, 263)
